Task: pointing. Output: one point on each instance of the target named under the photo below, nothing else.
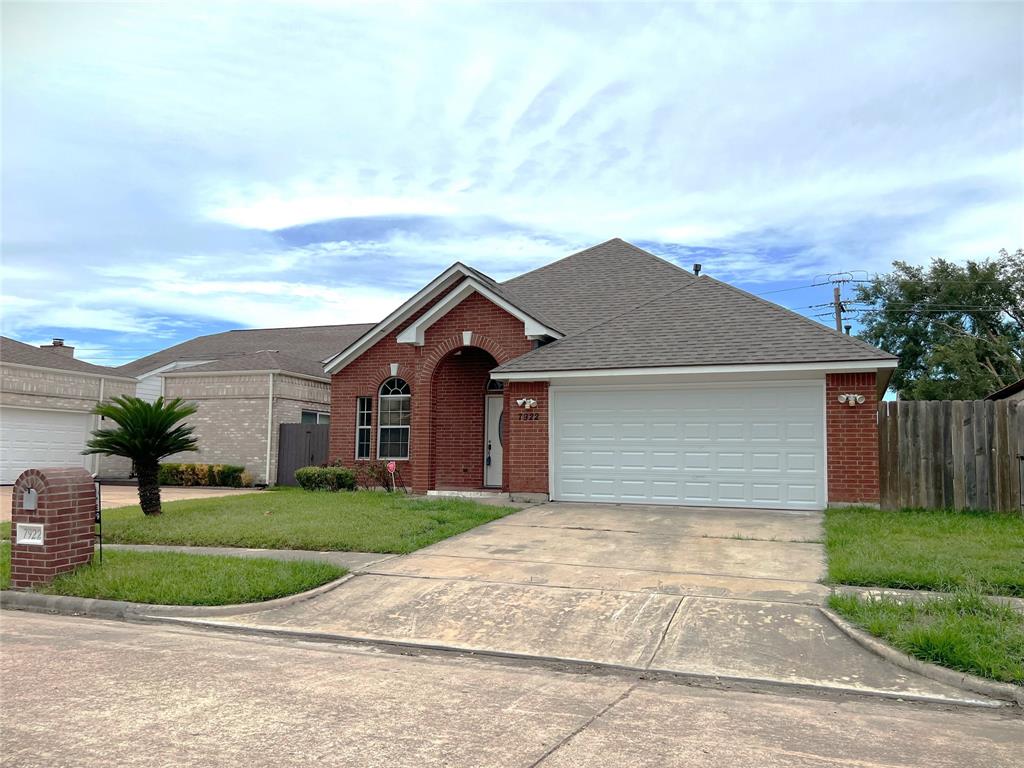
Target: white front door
(30, 439)
(493, 448)
(728, 445)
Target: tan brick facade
(231, 423)
(51, 390)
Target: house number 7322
(529, 417)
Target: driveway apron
(713, 592)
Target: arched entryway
(466, 451)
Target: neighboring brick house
(46, 403)
(246, 383)
(611, 375)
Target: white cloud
(150, 147)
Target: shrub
(374, 474)
(326, 478)
(228, 475)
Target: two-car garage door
(31, 438)
(730, 445)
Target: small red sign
(391, 467)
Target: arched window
(394, 419)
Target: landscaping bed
(926, 549)
(170, 578)
(291, 518)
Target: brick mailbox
(52, 524)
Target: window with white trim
(315, 417)
(364, 426)
(394, 417)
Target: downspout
(270, 426)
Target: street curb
(962, 680)
(648, 673)
(121, 609)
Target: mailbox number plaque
(30, 533)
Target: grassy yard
(964, 631)
(932, 550)
(5, 565)
(290, 518)
(169, 578)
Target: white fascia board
(372, 336)
(849, 366)
(186, 374)
(173, 366)
(416, 333)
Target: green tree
(958, 330)
(145, 433)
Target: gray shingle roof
(266, 360)
(702, 322)
(597, 283)
(14, 351)
(303, 346)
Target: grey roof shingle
(265, 360)
(311, 344)
(19, 353)
(594, 284)
(704, 322)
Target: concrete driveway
(128, 495)
(716, 592)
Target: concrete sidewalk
(726, 593)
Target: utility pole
(837, 303)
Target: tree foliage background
(958, 330)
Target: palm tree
(145, 433)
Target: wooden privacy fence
(956, 454)
(300, 445)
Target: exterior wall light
(851, 399)
(527, 403)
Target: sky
(175, 169)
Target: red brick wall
(852, 439)
(459, 388)
(494, 331)
(67, 509)
(526, 450)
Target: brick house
(46, 402)
(246, 383)
(611, 375)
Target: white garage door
(41, 439)
(727, 445)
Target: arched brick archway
(458, 388)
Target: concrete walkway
(350, 560)
(707, 592)
(128, 495)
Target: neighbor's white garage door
(41, 439)
(727, 445)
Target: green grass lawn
(932, 550)
(170, 578)
(5, 565)
(964, 631)
(290, 518)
